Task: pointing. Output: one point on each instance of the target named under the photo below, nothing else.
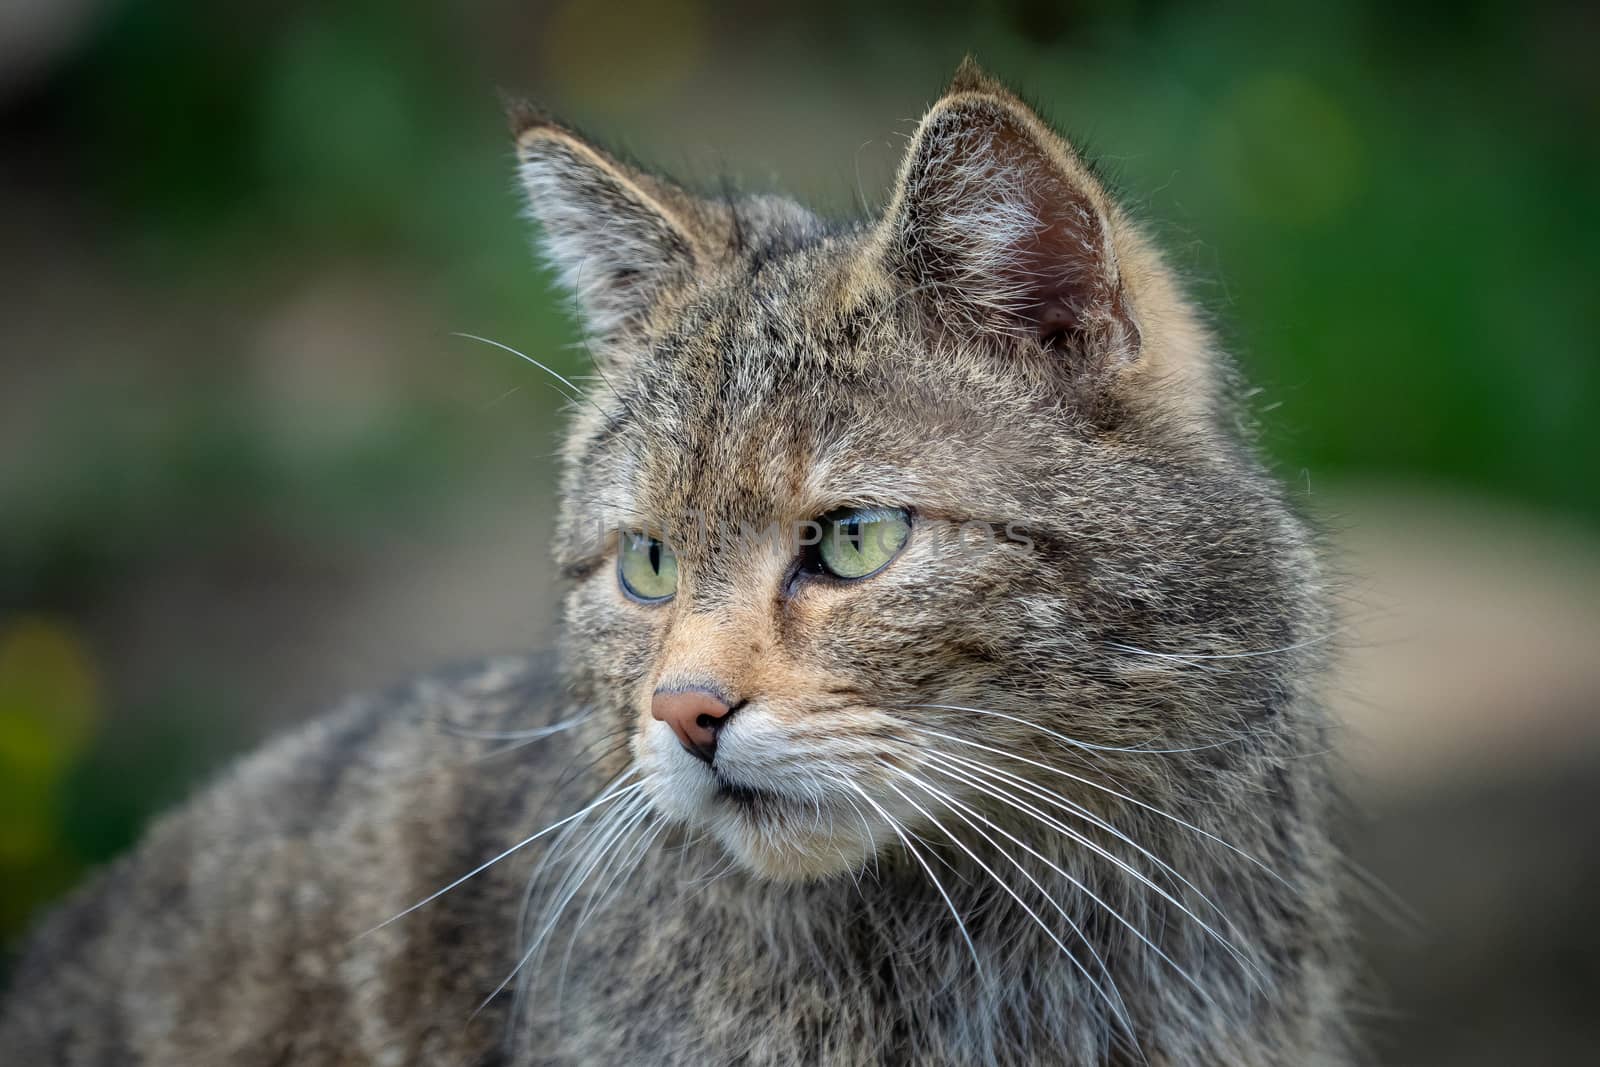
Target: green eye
(647, 568)
(861, 541)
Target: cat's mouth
(741, 795)
(775, 827)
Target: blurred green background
(246, 467)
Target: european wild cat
(940, 688)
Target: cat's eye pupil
(859, 542)
(647, 569)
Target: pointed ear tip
(527, 120)
(971, 78)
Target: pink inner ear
(1055, 318)
(1065, 265)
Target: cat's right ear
(616, 236)
(1006, 232)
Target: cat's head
(867, 523)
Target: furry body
(1061, 798)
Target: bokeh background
(245, 467)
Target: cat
(939, 685)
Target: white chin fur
(784, 836)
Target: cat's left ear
(1002, 230)
(617, 236)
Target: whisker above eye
(576, 394)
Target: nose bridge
(728, 572)
(710, 650)
(705, 669)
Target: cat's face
(863, 521)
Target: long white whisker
(552, 854)
(631, 862)
(599, 850)
(868, 839)
(516, 739)
(994, 791)
(1072, 741)
(1186, 657)
(1107, 789)
(1079, 811)
(609, 872)
(895, 826)
(571, 884)
(530, 839)
(534, 734)
(1117, 1005)
(623, 848)
(577, 393)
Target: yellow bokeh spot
(49, 706)
(48, 690)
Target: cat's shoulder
(261, 889)
(393, 740)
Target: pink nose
(695, 715)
